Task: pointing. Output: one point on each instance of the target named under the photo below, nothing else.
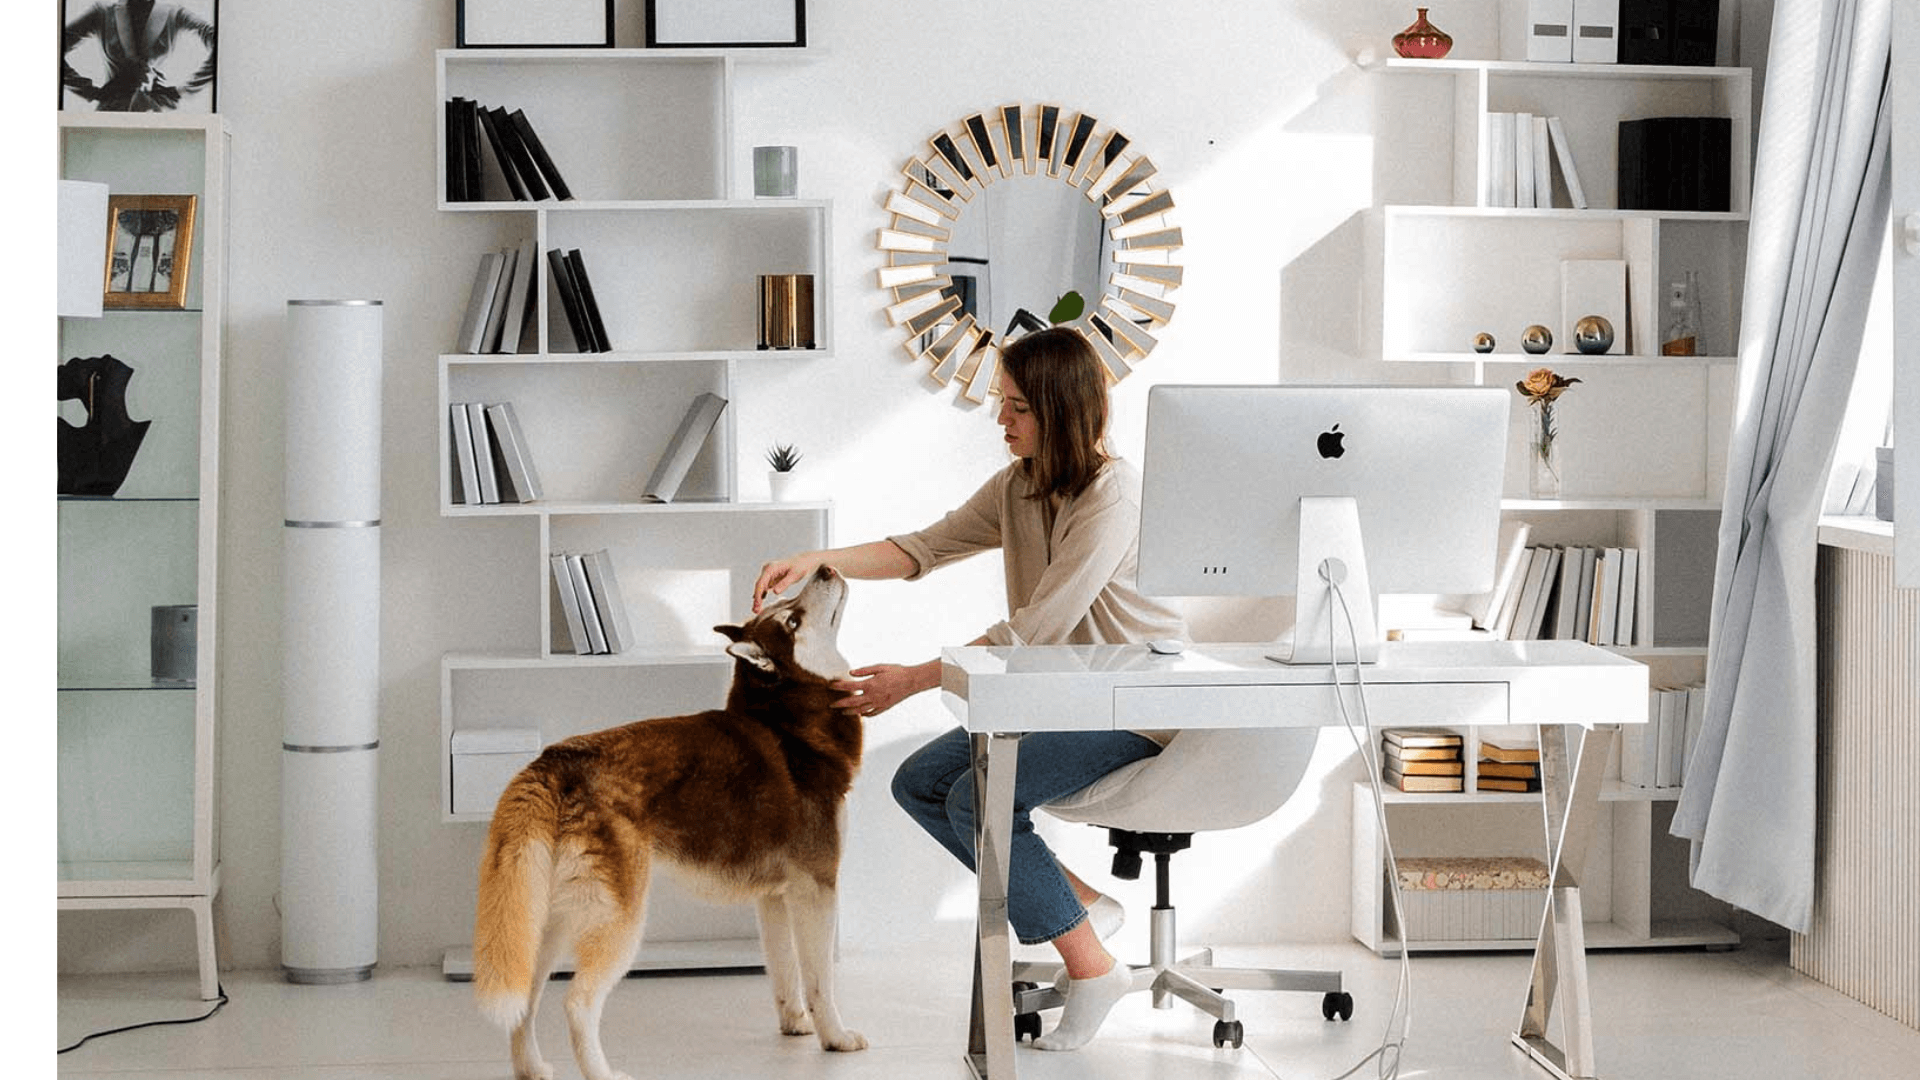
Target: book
(519, 154)
(1510, 770)
(497, 311)
(1563, 153)
(538, 152)
(1422, 753)
(1696, 713)
(1485, 607)
(589, 610)
(1523, 159)
(455, 170)
(1606, 596)
(674, 462)
(521, 482)
(1636, 746)
(1629, 595)
(483, 453)
(1450, 767)
(1505, 783)
(1566, 626)
(490, 124)
(596, 327)
(1670, 733)
(1530, 594)
(1500, 158)
(1403, 782)
(1582, 617)
(1420, 737)
(466, 479)
(608, 600)
(473, 326)
(520, 298)
(470, 155)
(1542, 168)
(1510, 604)
(568, 294)
(1603, 570)
(1505, 753)
(569, 604)
(1537, 622)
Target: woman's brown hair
(1066, 388)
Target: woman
(1066, 517)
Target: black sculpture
(94, 459)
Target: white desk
(1575, 692)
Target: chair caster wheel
(1337, 1003)
(1228, 1032)
(1025, 1025)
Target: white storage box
(1481, 898)
(485, 761)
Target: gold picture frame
(149, 251)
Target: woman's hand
(780, 574)
(873, 690)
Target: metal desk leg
(990, 1039)
(1572, 760)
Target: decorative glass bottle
(1680, 332)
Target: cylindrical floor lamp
(330, 679)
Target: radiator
(1865, 937)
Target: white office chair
(1204, 780)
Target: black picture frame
(698, 24)
(516, 24)
(99, 74)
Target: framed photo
(149, 251)
(517, 24)
(135, 56)
(689, 24)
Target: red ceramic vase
(1422, 40)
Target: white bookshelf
(673, 243)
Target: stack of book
(476, 134)
(1504, 767)
(1421, 759)
(590, 597)
(1569, 591)
(575, 292)
(490, 459)
(1654, 754)
(1521, 151)
(500, 307)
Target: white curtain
(1820, 201)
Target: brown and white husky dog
(748, 801)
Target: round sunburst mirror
(984, 244)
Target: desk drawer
(1388, 704)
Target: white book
(520, 297)
(473, 328)
(1563, 152)
(672, 467)
(1510, 603)
(1566, 597)
(466, 479)
(1672, 732)
(1696, 719)
(1636, 741)
(483, 452)
(497, 312)
(1583, 615)
(1529, 594)
(1542, 165)
(1485, 607)
(608, 601)
(569, 604)
(1629, 595)
(1523, 159)
(1500, 159)
(522, 481)
(1606, 597)
(589, 611)
(1537, 622)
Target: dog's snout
(826, 573)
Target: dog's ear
(732, 632)
(752, 654)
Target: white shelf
(1665, 934)
(1557, 213)
(1553, 70)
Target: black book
(588, 305)
(539, 154)
(456, 169)
(490, 123)
(569, 293)
(517, 152)
(470, 149)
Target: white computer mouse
(1167, 646)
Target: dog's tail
(516, 888)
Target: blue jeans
(935, 787)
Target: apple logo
(1329, 442)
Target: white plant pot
(781, 484)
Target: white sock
(1088, 1002)
(1107, 916)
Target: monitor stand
(1331, 553)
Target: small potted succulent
(782, 457)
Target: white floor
(1742, 1013)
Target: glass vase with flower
(1541, 388)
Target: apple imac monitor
(1275, 490)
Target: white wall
(1262, 129)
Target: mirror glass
(1021, 245)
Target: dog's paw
(797, 1022)
(539, 1070)
(848, 1040)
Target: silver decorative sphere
(1593, 334)
(1537, 339)
(1483, 342)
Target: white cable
(1391, 1044)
